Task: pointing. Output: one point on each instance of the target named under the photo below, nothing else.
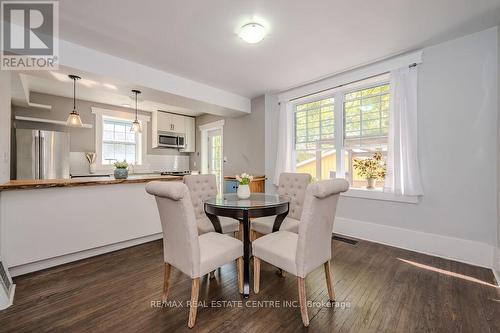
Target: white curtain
(403, 172)
(285, 152)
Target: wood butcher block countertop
(87, 181)
(255, 178)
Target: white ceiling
(307, 39)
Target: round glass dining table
(257, 205)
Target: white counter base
(42, 228)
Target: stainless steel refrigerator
(42, 154)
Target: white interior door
(214, 155)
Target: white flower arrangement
(244, 179)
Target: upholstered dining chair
(202, 187)
(292, 185)
(194, 255)
(299, 254)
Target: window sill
(379, 195)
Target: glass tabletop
(256, 200)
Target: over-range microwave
(171, 140)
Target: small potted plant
(372, 168)
(244, 180)
(121, 170)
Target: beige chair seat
(228, 225)
(279, 249)
(264, 225)
(216, 250)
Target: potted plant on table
(244, 180)
(372, 168)
(121, 170)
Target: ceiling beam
(93, 61)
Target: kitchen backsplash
(153, 163)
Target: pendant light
(74, 119)
(136, 125)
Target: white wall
(243, 141)
(457, 127)
(5, 112)
(497, 251)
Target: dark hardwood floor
(379, 289)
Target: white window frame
(141, 140)
(338, 114)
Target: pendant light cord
(74, 94)
(136, 106)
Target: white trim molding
(379, 195)
(496, 264)
(213, 125)
(52, 262)
(204, 139)
(99, 114)
(463, 250)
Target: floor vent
(4, 278)
(345, 240)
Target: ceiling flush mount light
(252, 33)
(74, 119)
(136, 125)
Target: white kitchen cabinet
(170, 122)
(189, 135)
(177, 122)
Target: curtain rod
(345, 84)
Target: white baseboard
(496, 264)
(43, 264)
(467, 251)
(7, 301)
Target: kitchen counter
(255, 178)
(87, 181)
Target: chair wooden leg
(240, 232)
(256, 275)
(239, 266)
(193, 308)
(329, 285)
(302, 300)
(166, 282)
(252, 235)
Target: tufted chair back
(293, 185)
(181, 247)
(314, 246)
(201, 187)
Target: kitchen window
(119, 143)
(361, 116)
(114, 141)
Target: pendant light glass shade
(74, 119)
(136, 125)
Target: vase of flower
(370, 182)
(121, 170)
(91, 158)
(371, 168)
(244, 180)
